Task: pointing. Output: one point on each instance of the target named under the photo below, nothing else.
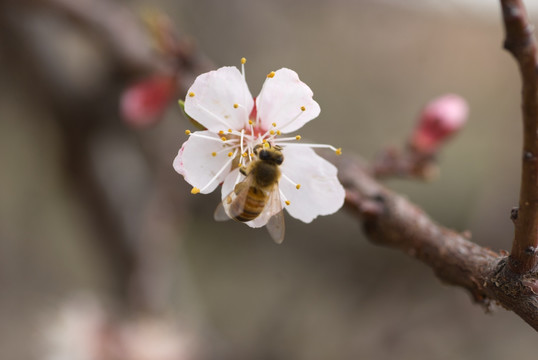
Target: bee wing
(224, 210)
(276, 225)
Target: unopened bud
(439, 120)
(143, 103)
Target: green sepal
(194, 122)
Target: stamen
(243, 61)
(250, 122)
(224, 167)
(236, 106)
(221, 132)
(271, 75)
(187, 132)
(191, 94)
(278, 132)
(230, 131)
(213, 154)
(274, 124)
(195, 190)
(279, 140)
(325, 146)
(223, 138)
(294, 118)
(230, 154)
(215, 116)
(283, 197)
(272, 132)
(205, 136)
(297, 186)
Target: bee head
(266, 152)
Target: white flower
(221, 101)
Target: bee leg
(243, 170)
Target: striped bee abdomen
(253, 205)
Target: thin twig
(522, 44)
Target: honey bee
(258, 196)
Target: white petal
(228, 186)
(320, 193)
(214, 95)
(197, 164)
(281, 99)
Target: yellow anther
(213, 154)
(271, 74)
(229, 130)
(272, 132)
(187, 132)
(287, 202)
(223, 138)
(236, 106)
(230, 154)
(338, 151)
(221, 132)
(195, 190)
(298, 137)
(266, 145)
(264, 141)
(274, 124)
(245, 154)
(278, 132)
(243, 60)
(250, 122)
(303, 108)
(191, 94)
(298, 186)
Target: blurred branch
(521, 42)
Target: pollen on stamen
(187, 132)
(278, 132)
(287, 202)
(274, 124)
(213, 154)
(298, 186)
(298, 137)
(272, 132)
(250, 122)
(195, 190)
(338, 151)
(243, 60)
(230, 154)
(236, 106)
(221, 132)
(303, 108)
(223, 138)
(264, 141)
(245, 154)
(229, 130)
(191, 94)
(271, 74)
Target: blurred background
(104, 253)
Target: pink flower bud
(142, 104)
(439, 120)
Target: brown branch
(391, 220)
(522, 44)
